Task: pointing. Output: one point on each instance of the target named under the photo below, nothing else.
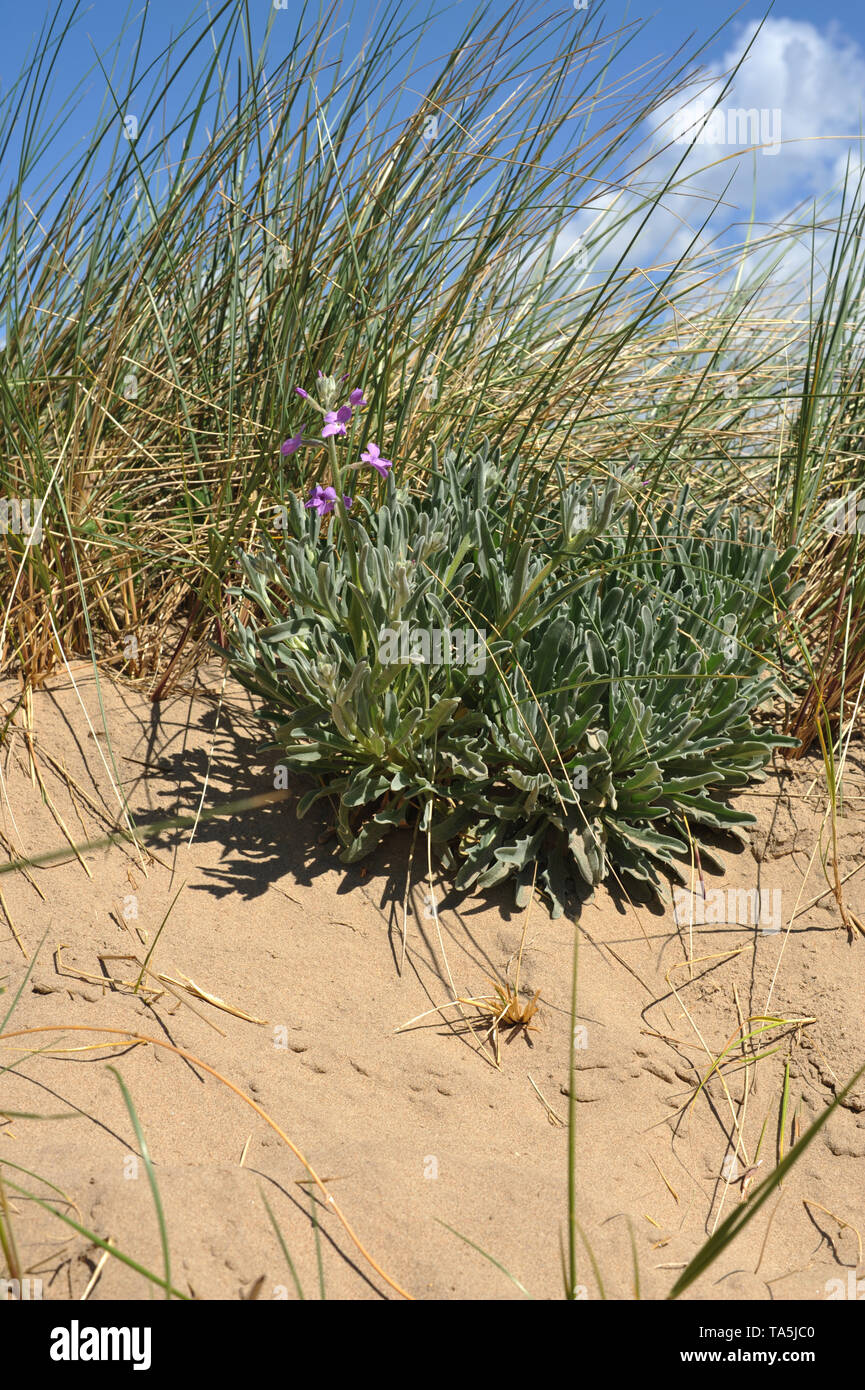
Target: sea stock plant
(616, 661)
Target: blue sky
(807, 65)
(668, 24)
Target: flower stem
(343, 510)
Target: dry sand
(417, 1130)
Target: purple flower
(372, 456)
(323, 499)
(291, 446)
(356, 397)
(335, 421)
(300, 392)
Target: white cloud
(809, 85)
